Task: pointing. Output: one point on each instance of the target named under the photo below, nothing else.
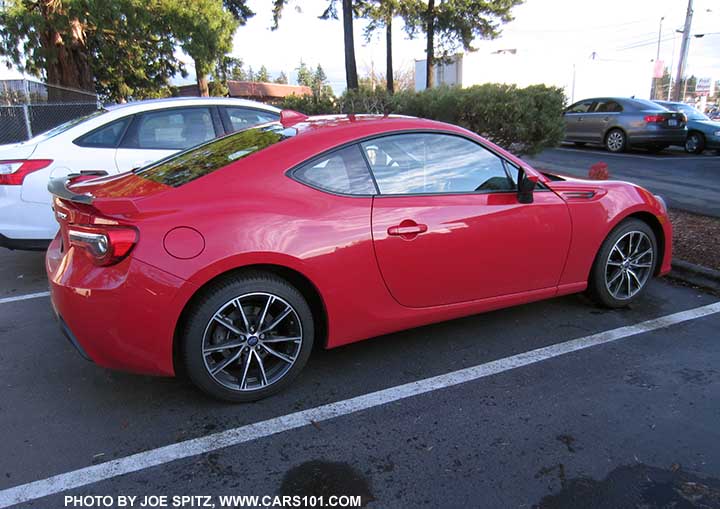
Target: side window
(580, 107)
(107, 136)
(343, 171)
(608, 106)
(171, 129)
(434, 163)
(242, 118)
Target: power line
(645, 43)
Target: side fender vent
(578, 195)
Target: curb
(696, 275)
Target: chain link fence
(28, 108)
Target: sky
(623, 30)
(570, 30)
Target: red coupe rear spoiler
(59, 187)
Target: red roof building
(258, 91)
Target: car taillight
(654, 119)
(106, 245)
(12, 173)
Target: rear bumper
(24, 244)
(71, 337)
(670, 138)
(120, 317)
(24, 223)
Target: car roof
(356, 126)
(169, 102)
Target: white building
(589, 77)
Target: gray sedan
(619, 123)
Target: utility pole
(683, 52)
(653, 88)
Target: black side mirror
(526, 186)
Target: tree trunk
(350, 66)
(389, 77)
(202, 81)
(67, 63)
(203, 87)
(430, 50)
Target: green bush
(525, 120)
(323, 104)
(365, 100)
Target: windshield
(202, 160)
(67, 125)
(644, 104)
(692, 113)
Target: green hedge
(525, 120)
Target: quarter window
(105, 137)
(435, 163)
(174, 129)
(343, 171)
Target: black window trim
(77, 141)
(137, 116)
(540, 187)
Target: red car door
(448, 227)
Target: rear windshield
(202, 160)
(644, 104)
(67, 125)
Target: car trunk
(666, 119)
(100, 202)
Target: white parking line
(27, 296)
(155, 457)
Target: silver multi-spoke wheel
(694, 144)
(629, 265)
(252, 341)
(615, 141)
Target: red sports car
(231, 259)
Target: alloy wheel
(692, 143)
(615, 141)
(629, 265)
(252, 341)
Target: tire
(615, 141)
(609, 277)
(264, 299)
(695, 143)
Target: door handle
(407, 229)
(606, 119)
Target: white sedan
(112, 140)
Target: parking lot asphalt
(622, 424)
(687, 182)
